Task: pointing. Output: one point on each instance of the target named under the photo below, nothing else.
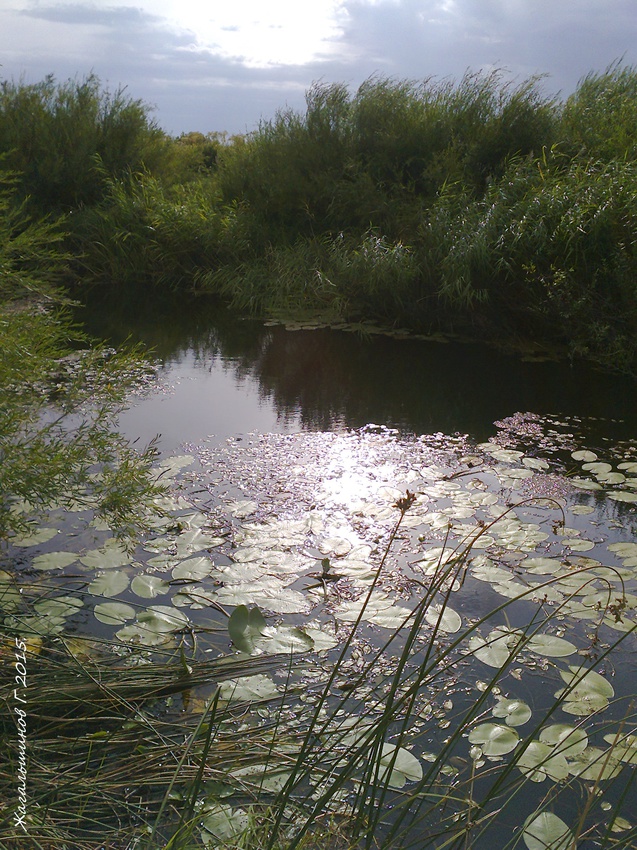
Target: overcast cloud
(210, 69)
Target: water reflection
(231, 376)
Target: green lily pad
(585, 455)
(578, 544)
(591, 692)
(622, 496)
(551, 646)
(193, 569)
(222, 823)
(171, 466)
(58, 606)
(447, 621)
(53, 560)
(624, 550)
(36, 624)
(585, 484)
(248, 689)
(136, 634)
(542, 566)
(596, 765)
(547, 832)
(624, 747)
(109, 583)
(283, 640)
(612, 478)
(540, 761)
(515, 711)
(162, 618)
(398, 766)
(245, 627)
(110, 556)
(497, 648)
(597, 467)
(535, 463)
(242, 508)
(149, 586)
(582, 510)
(566, 740)
(321, 641)
(113, 613)
(35, 538)
(494, 739)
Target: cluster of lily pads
(284, 544)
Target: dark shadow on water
(327, 379)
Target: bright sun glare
(261, 34)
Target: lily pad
(551, 646)
(35, 538)
(110, 583)
(149, 586)
(591, 692)
(622, 496)
(398, 766)
(245, 626)
(58, 606)
(222, 823)
(596, 765)
(162, 618)
(248, 689)
(53, 560)
(566, 740)
(113, 613)
(547, 832)
(494, 739)
(497, 648)
(284, 640)
(540, 761)
(110, 556)
(585, 455)
(515, 711)
(585, 484)
(624, 747)
(193, 569)
(447, 620)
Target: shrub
(599, 120)
(67, 139)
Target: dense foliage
(481, 206)
(58, 396)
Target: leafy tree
(58, 395)
(67, 139)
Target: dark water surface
(227, 376)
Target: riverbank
(480, 207)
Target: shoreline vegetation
(478, 207)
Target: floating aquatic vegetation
(484, 574)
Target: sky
(210, 66)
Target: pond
(439, 543)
